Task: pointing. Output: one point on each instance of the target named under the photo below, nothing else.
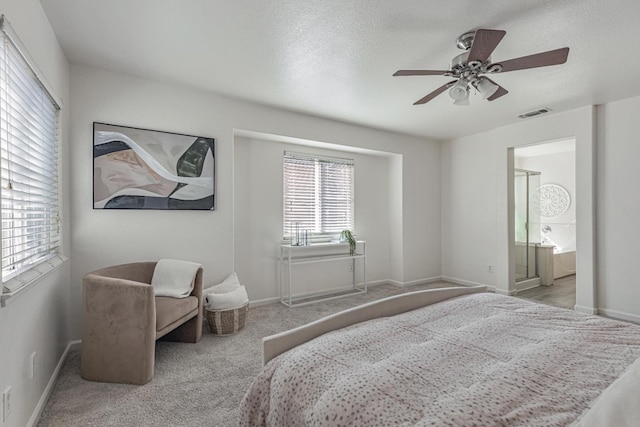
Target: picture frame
(135, 168)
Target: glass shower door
(527, 223)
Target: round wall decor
(550, 200)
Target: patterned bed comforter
(482, 359)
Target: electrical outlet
(350, 267)
(6, 404)
(32, 365)
(490, 268)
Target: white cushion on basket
(226, 295)
(227, 285)
(233, 299)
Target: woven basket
(227, 322)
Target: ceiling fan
(469, 68)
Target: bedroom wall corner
(421, 199)
(587, 167)
(395, 212)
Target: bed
(450, 357)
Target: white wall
(259, 217)
(618, 207)
(104, 237)
(475, 206)
(474, 176)
(37, 319)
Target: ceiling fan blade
(420, 73)
(484, 43)
(498, 93)
(435, 93)
(543, 59)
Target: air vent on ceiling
(535, 113)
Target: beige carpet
(195, 384)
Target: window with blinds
(29, 166)
(318, 196)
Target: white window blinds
(29, 164)
(318, 195)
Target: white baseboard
(523, 285)
(37, 412)
(414, 282)
(377, 283)
(463, 282)
(395, 283)
(310, 294)
(265, 301)
(618, 315)
(586, 310)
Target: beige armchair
(122, 319)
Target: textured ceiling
(335, 58)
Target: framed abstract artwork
(146, 169)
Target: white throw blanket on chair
(174, 278)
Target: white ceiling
(335, 58)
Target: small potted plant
(347, 236)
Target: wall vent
(535, 113)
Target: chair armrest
(113, 286)
(197, 292)
(119, 324)
(136, 271)
(197, 284)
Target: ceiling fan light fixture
(486, 88)
(464, 102)
(459, 91)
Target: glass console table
(290, 256)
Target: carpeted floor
(194, 384)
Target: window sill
(31, 277)
(319, 241)
(315, 244)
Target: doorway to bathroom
(545, 222)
